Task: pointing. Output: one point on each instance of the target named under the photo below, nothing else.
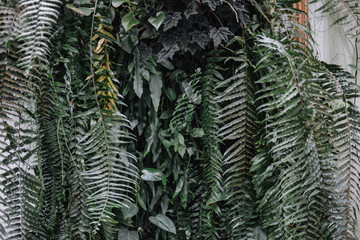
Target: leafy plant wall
(187, 119)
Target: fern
(212, 156)
(347, 144)
(238, 132)
(35, 23)
(22, 189)
(296, 117)
(210, 123)
(186, 105)
(110, 173)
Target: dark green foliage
(189, 119)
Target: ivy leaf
(200, 38)
(212, 3)
(145, 51)
(191, 10)
(158, 20)
(242, 13)
(155, 86)
(163, 222)
(117, 3)
(220, 34)
(130, 210)
(171, 20)
(167, 52)
(125, 234)
(128, 42)
(128, 21)
(81, 10)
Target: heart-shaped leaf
(130, 210)
(158, 20)
(128, 21)
(163, 222)
(125, 234)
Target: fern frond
(212, 155)
(210, 123)
(22, 189)
(186, 105)
(239, 116)
(347, 145)
(34, 28)
(297, 125)
(110, 171)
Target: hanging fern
(35, 24)
(240, 128)
(260, 143)
(347, 145)
(296, 117)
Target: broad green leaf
(164, 204)
(167, 64)
(125, 234)
(128, 21)
(151, 174)
(179, 186)
(171, 94)
(163, 222)
(197, 133)
(128, 42)
(156, 197)
(158, 20)
(138, 81)
(165, 115)
(141, 202)
(81, 10)
(181, 150)
(130, 210)
(155, 86)
(117, 3)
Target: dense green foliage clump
(174, 119)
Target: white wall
(331, 43)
